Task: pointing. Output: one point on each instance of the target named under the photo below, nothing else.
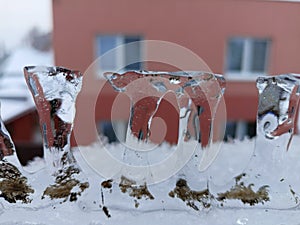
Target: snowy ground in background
(162, 210)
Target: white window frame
(120, 51)
(245, 73)
(120, 56)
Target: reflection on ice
(269, 179)
(149, 177)
(54, 90)
(196, 92)
(14, 187)
(197, 97)
(6, 144)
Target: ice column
(197, 94)
(54, 90)
(276, 115)
(269, 180)
(14, 187)
(195, 91)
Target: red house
(240, 39)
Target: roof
(15, 97)
(26, 56)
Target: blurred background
(241, 39)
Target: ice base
(229, 163)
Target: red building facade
(240, 39)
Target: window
(239, 130)
(247, 56)
(124, 57)
(114, 131)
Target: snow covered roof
(26, 56)
(15, 97)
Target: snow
(11, 109)
(15, 97)
(26, 56)
(162, 210)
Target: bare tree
(39, 40)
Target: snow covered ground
(163, 209)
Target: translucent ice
(14, 187)
(197, 95)
(54, 90)
(269, 179)
(6, 145)
(277, 107)
(195, 91)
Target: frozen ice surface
(197, 94)
(181, 198)
(54, 90)
(271, 172)
(155, 211)
(57, 84)
(146, 90)
(278, 102)
(7, 147)
(14, 187)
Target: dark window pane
(235, 54)
(132, 53)
(230, 131)
(105, 128)
(259, 55)
(107, 42)
(104, 44)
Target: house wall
(204, 26)
(23, 133)
(17, 127)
